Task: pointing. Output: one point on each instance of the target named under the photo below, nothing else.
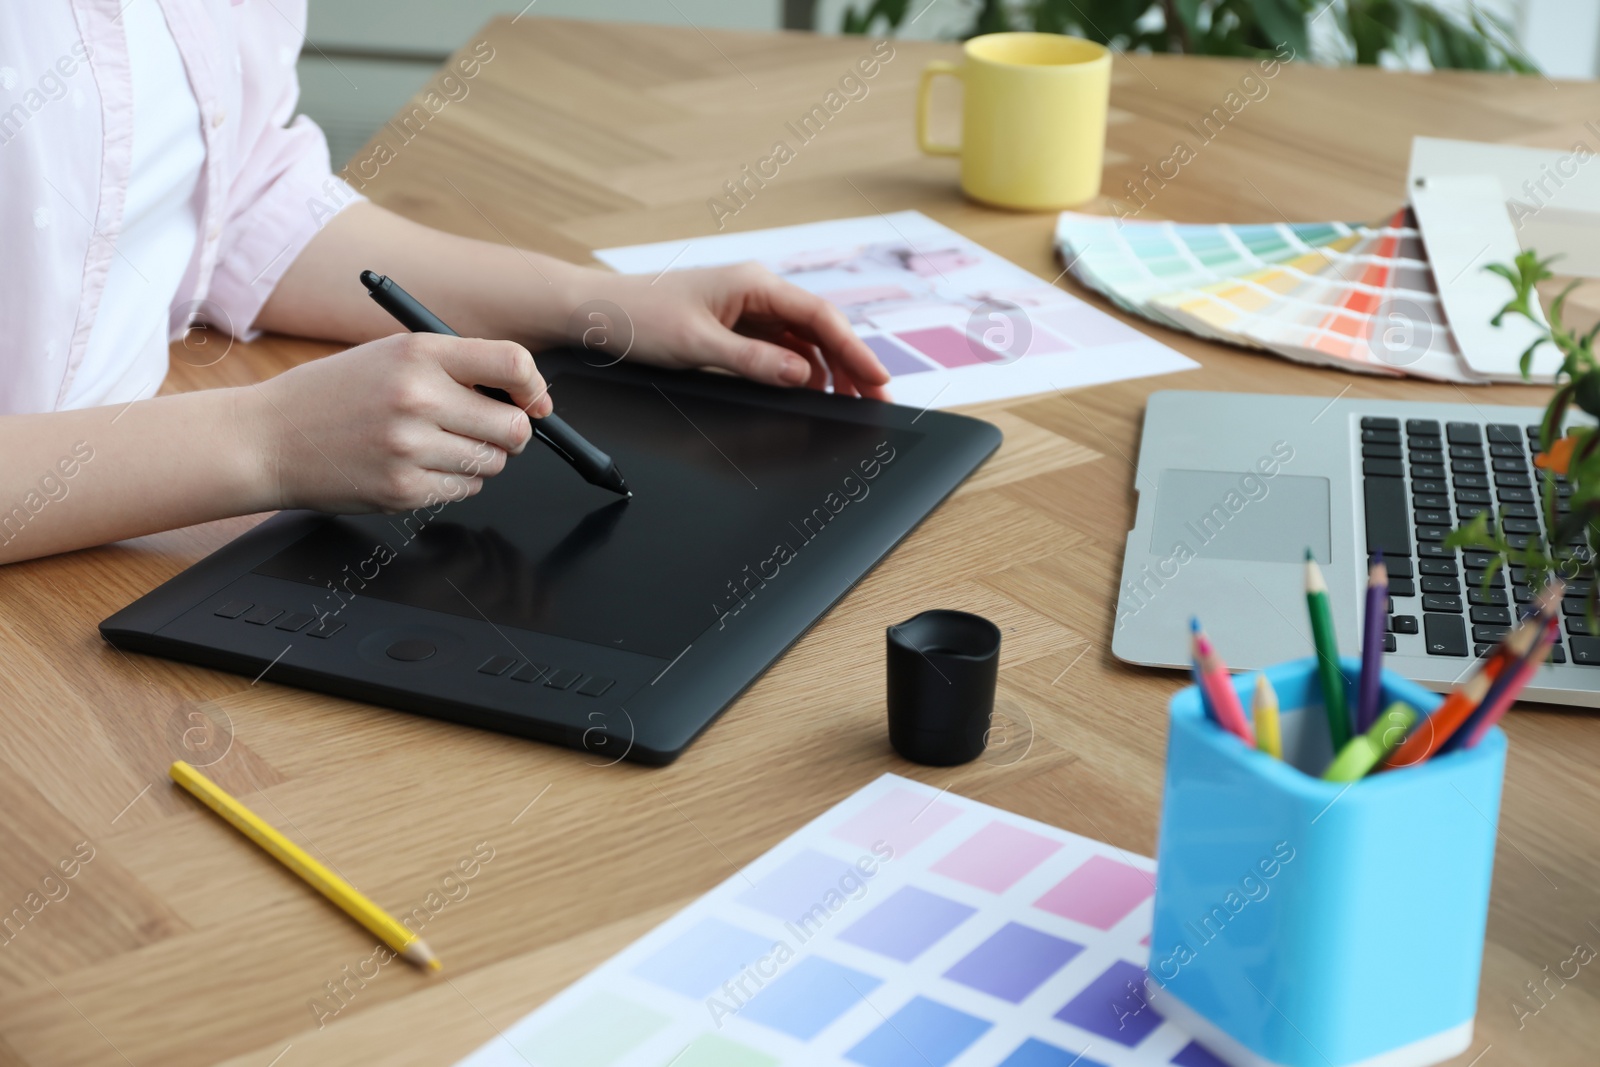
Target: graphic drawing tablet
(548, 608)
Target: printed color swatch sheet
(904, 927)
(953, 322)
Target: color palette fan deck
(904, 927)
(1334, 294)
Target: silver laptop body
(1233, 488)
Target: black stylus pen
(596, 467)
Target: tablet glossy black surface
(721, 491)
(547, 608)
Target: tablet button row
(293, 622)
(552, 677)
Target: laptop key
(1507, 463)
(1432, 442)
(1512, 481)
(1377, 422)
(1514, 495)
(1586, 651)
(1445, 635)
(1479, 561)
(1503, 433)
(1382, 468)
(1432, 533)
(1490, 633)
(1506, 452)
(1419, 470)
(1436, 552)
(1487, 596)
(1519, 511)
(1390, 644)
(1437, 567)
(1440, 585)
(1441, 602)
(1380, 437)
(1468, 466)
(1463, 433)
(1423, 455)
(1558, 654)
(1387, 525)
(1466, 452)
(1403, 624)
(1380, 451)
(1471, 481)
(1430, 500)
(1434, 517)
(1488, 613)
(1480, 579)
(1428, 426)
(1399, 567)
(1473, 496)
(1429, 485)
(1578, 626)
(1402, 587)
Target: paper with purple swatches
(904, 927)
(951, 321)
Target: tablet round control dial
(410, 650)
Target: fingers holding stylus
(503, 365)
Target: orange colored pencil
(1446, 719)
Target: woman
(150, 170)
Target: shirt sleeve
(283, 189)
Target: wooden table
(177, 943)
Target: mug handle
(930, 72)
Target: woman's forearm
(72, 479)
(481, 288)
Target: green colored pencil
(1328, 672)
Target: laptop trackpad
(1232, 515)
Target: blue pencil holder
(1303, 923)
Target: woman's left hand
(743, 318)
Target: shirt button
(219, 118)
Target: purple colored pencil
(1370, 691)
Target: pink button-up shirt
(66, 142)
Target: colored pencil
(1334, 700)
(1370, 690)
(1501, 695)
(1430, 736)
(1264, 710)
(1493, 711)
(1194, 672)
(1362, 754)
(342, 893)
(1215, 681)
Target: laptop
(1233, 488)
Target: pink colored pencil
(1216, 683)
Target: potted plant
(1568, 460)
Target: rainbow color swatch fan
(1357, 297)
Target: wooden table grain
(177, 943)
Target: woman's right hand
(394, 424)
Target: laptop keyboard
(1421, 481)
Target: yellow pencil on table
(350, 899)
(1264, 709)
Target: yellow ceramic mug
(1033, 123)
